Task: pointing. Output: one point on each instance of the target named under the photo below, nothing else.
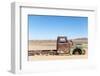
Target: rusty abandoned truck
(63, 47)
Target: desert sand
(51, 45)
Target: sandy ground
(51, 45)
(42, 45)
(43, 57)
(31, 58)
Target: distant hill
(81, 39)
(53, 42)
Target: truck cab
(63, 45)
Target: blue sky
(49, 27)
